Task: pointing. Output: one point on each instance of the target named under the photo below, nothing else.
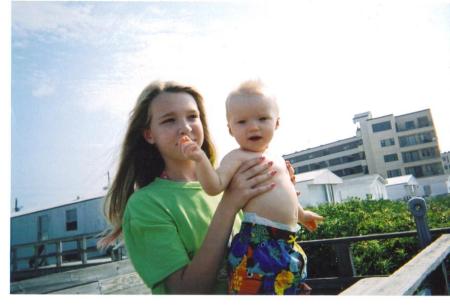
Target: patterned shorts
(265, 260)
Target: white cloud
(43, 90)
(328, 60)
(42, 85)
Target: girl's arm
(251, 179)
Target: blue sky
(78, 67)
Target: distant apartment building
(445, 156)
(389, 145)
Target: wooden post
(83, 250)
(36, 256)
(345, 260)
(59, 248)
(438, 278)
(418, 209)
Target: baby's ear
(148, 136)
(229, 129)
(277, 123)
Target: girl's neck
(180, 171)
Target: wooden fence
(38, 261)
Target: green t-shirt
(164, 225)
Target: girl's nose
(185, 128)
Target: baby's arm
(213, 181)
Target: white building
(317, 187)
(402, 187)
(363, 187)
(434, 186)
(390, 146)
(56, 222)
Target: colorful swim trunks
(265, 260)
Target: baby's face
(252, 121)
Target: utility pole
(16, 205)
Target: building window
(433, 169)
(410, 156)
(410, 125)
(394, 173)
(390, 158)
(429, 153)
(416, 171)
(350, 171)
(408, 140)
(423, 121)
(71, 220)
(387, 142)
(302, 169)
(425, 137)
(381, 126)
(43, 224)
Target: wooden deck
(116, 277)
(407, 279)
(119, 277)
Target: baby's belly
(279, 205)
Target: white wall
(360, 189)
(439, 185)
(402, 191)
(311, 194)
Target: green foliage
(362, 217)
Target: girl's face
(172, 116)
(252, 121)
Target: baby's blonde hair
(251, 88)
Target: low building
(402, 187)
(317, 187)
(363, 187)
(434, 186)
(75, 219)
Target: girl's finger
(257, 169)
(249, 164)
(261, 189)
(259, 179)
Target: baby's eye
(241, 122)
(263, 118)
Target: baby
(264, 257)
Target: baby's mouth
(255, 138)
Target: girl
(175, 234)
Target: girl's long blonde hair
(140, 162)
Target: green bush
(362, 217)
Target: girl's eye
(168, 120)
(193, 116)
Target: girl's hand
(251, 179)
(190, 149)
(310, 220)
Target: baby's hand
(190, 149)
(310, 220)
